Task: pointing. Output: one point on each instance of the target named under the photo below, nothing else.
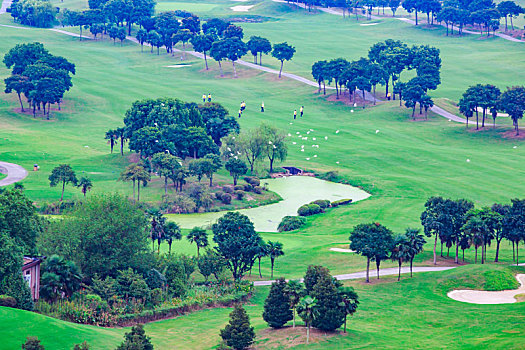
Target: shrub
(309, 209)
(341, 202)
(330, 314)
(277, 309)
(239, 188)
(6, 300)
(258, 189)
(219, 195)
(323, 203)
(227, 189)
(290, 223)
(248, 187)
(240, 194)
(252, 180)
(32, 343)
(179, 204)
(238, 333)
(136, 339)
(226, 198)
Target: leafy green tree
(283, 52)
(67, 273)
(155, 40)
(142, 37)
(202, 43)
(210, 263)
(165, 164)
(516, 224)
(413, 94)
(199, 236)
(502, 227)
(20, 84)
(85, 185)
(294, 289)
(111, 137)
(373, 241)
(63, 174)
(19, 220)
(199, 167)
(200, 142)
(349, 301)
(136, 174)
(277, 310)
(216, 164)
(331, 314)
(320, 74)
(512, 101)
(217, 121)
(166, 25)
(274, 250)
(23, 55)
(308, 310)
(215, 27)
(38, 13)
(262, 252)
(32, 343)
(201, 195)
(275, 145)
(219, 52)
(237, 242)
(237, 168)
(11, 281)
(171, 231)
(238, 333)
(257, 46)
(105, 234)
(136, 339)
(233, 31)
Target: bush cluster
(6, 300)
(290, 223)
(309, 209)
(341, 202)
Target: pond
(295, 191)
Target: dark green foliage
(240, 194)
(290, 223)
(226, 198)
(132, 285)
(40, 13)
(313, 274)
(238, 333)
(59, 277)
(277, 311)
(155, 279)
(174, 270)
(227, 189)
(136, 340)
(19, 220)
(32, 343)
(257, 189)
(237, 242)
(331, 314)
(323, 203)
(252, 180)
(340, 202)
(211, 263)
(11, 280)
(309, 209)
(6, 300)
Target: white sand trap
(242, 8)
(240, 0)
(485, 297)
(178, 65)
(342, 250)
(368, 24)
(480, 110)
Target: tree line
(384, 65)
(38, 75)
(490, 99)
(458, 223)
(486, 15)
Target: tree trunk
(367, 270)
(21, 104)
(377, 267)
(211, 180)
(364, 100)
(293, 313)
(506, 24)
(260, 58)
(234, 70)
(220, 68)
(411, 261)
(517, 253)
(374, 95)
(272, 260)
(476, 258)
(121, 146)
(483, 120)
(477, 118)
(138, 191)
(271, 165)
(281, 70)
(344, 330)
(483, 253)
(435, 245)
(513, 252)
(399, 271)
(133, 191)
(324, 88)
(416, 17)
(166, 185)
(308, 334)
(260, 274)
(456, 259)
(63, 187)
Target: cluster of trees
(64, 175)
(457, 223)
(491, 100)
(385, 63)
(40, 76)
(378, 243)
(36, 13)
(322, 302)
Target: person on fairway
(204, 98)
(240, 112)
(301, 110)
(262, 107)
(209, 97)
(295, 114)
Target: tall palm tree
(135, 173)
(198, 236)
(307, 309)
(275, 250)
(294, 289)
(171, 232)
(262, 251)
(477, 229)
(416, 241)
(349, 301)
(400, 252)
(85, 184)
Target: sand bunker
(178, 65)
(242, 8)
(342, 250)
(485, 297)
(369, 24)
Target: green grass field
(401, 165)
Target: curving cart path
(486, 297)
(14, 173)
(383, 272)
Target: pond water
(295, 191)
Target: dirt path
(384, 272)
(486, 297)
(14, 173)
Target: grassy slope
(416, 314)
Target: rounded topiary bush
(309, 209)
(218, 195)
(6, 300)
(248, 187)
(289, 223)
(239, 188)
(323, 203)
(257, 189)
(240, 194)
(341, 202)
(227, 189)
(253, 180)
(226, 198)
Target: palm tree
(307, 309)
(400, 252)
(477, 229)
(294, 289)
(349, 301)
(198, 236)
(85, 184)
(135, 173)
(171, 232)
(416, 241)
(262, 251)
(157, 227)
(275, 250)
